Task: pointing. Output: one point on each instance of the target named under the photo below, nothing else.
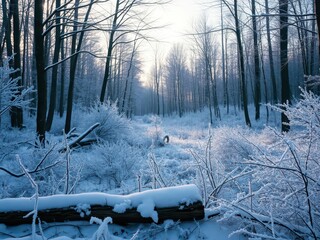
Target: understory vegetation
(261, 182)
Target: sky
(178, 18)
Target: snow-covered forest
(218, 138)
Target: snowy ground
(157, 166)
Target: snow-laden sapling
(10, 93)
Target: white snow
(163, 197)
(146, 209)
(173, 164)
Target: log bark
(156, 205)
(191, 212)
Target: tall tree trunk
(41, 75)
(53, 93)
(271, 62)
(313, 71)
(72, 68)
(109, 54)
(208, 91)
(264, 78)
(242, 70)
(257, 88)
(63, 42)
(2, 36)
(224, 78)
(317, 11)
(16, 112)
(302, 36)
(73, 65)
(6, 23)
(25, 71)
(129, 72)
(157, 81)
(285, 87)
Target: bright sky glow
(179, 17)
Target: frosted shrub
(155, 132)
(113, 126)
(113, 163)
(46, 166)
(282, 198)
(220, 163)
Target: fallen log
(177, 203)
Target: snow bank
(160, 198)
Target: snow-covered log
(177, 203)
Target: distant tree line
(259, 52)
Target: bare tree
(73, 61)
(128, 18)
(257, 88)
(41, 76)
(317, 9)
(54, 78)
(285, 87)
(271, 62)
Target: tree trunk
(25, 72)
(73, 64)
(313, 70)
(2, 41)
(109, 54)
(129, 72)
(242, 70)
(271, 62)
(285, 87)
(224, 78)
(54, 79)
(186, 205)
(7, 26)
(16, 112)
(62, 75)
(72, 69)
(317, 11)
(257, 88)
(189, 212)
(41, 76)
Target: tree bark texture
(73, 63)
(242, 70)
(41, 76)
(16, 112)
(285, 87)
(257, 88)
(317, 10)
(109, 54)
(191, 212)
(54, 79)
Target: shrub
(281, 199)
(113, 126)
(113, 163)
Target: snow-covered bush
(219, 162)
(113, 126)
(282, 197)
(44, 165)
(113, 163)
